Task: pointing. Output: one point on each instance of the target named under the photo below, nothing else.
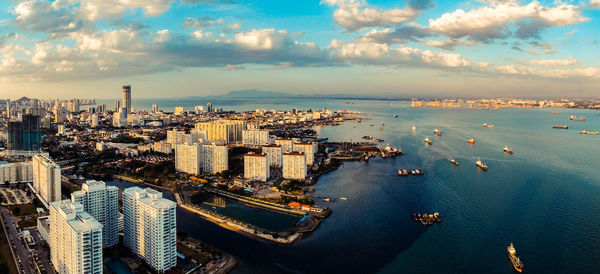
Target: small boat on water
(437, 132)
(589, 132)
(481, 164)
(454, 162)
(508, 150)
(402, 172)
(555, 112)
(327, 200)
(491, 126)
(471, 141)
(512, 255)
(416, 172)
(561, 127)
(414, 128)
(343, 198)
(427, 141)
(575, 118)
(485, 125)
(396, 116)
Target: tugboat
(481, 164)
(454, 162)
(437, 132)
(575, 118)
(512, 255)
(508, 150)
(427, 141)
(402, 172)
(471, 141)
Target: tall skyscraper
(75, 239)
(46, 178)
(24, 134)
(8, 108)
(149, 227)
(117, 105)
(127, 98)
(256, 167)
(294, 166)
(154, 108)
(101, 202)
(209, 107)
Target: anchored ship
(512, 255)
(561, 126)
(454, 162)
(471, 141)
(427, 141)
(437, 132)
(481, 164)
(575, 118)
(508, 150)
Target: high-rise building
(275, 155)
(24, 134)
(154, 108)
(127, 99)
(101, 202)
(149, 227)
(308, 149)
(179, 110)
(199, 109)
(120, 118)
(179, 137)
(117, 105)
(8, 109)
(226, 131)
(215, 158)
(94, 122)
(46, 178)
(188, 158)
(287, 144)
(16, 172)
(294, 166)
(255, 137)
(75, 239)
(209, 107)
(256, 167)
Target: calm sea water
(545, 198)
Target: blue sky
(163, 48)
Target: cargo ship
(454, 162)
(561, 126)
(416, 172)
(512, 255)
(402, 172)
(427, 141)
(437, 132)
(589, 132)
(481, 164)
(575, 118)
(471, 141)
(508, 150)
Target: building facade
(215, 158)
(287, 144)
(16, 172)
(189, 158)
(256, 167)
(275, 155)
(308, 149)
(24, 134)
(101, 202)
(127, 99)
(294, 166)
(46, 178)
(149, 227)
(75, 239)
(255, 137)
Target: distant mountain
(22, 99)
(258, 93)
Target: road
(19, 251)
(41, 253)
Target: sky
(177, 48)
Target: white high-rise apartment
(275, 155)
(16, 172)
(256, 167)
(255, 137)
(308, 150)
(75, 239)
(46, 178)
(189, 158)
(294, 166)
(287, 144)
(94, 120)
(215, 158)
(101, 202)
(149, 227)
(226, 131)
(179, 137)
(154, 108)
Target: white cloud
(355, 15)
(491, 22)
(450, 44)
(594, 4)
(553, 62)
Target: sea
(544, 198)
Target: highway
(19, 251)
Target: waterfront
(544, 198)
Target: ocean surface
(545, 198)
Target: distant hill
(22, 99)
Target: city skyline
(195, 48)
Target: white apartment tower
(255, 137)
(215, 158)
(75, 239)
(308, 149)
(275, 154)
(46, 178)
(294, 166)
(189, 158)
(287, 144)
(149, 227)
(101, 202)
(256, 167)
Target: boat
(471, 141)
(414, 128)
(416, 172)
(575, 118)
(583, 132)
(343, 198)
(327, 200)
(427, 141)
(481, 164)
(512, 255)
(561, 126)
(437, 132)
(454, 162)
(589, 132)
(555, 112)
(508, 150)
(396, 116)
(485, 125)
(402, 172)
(490, 126)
